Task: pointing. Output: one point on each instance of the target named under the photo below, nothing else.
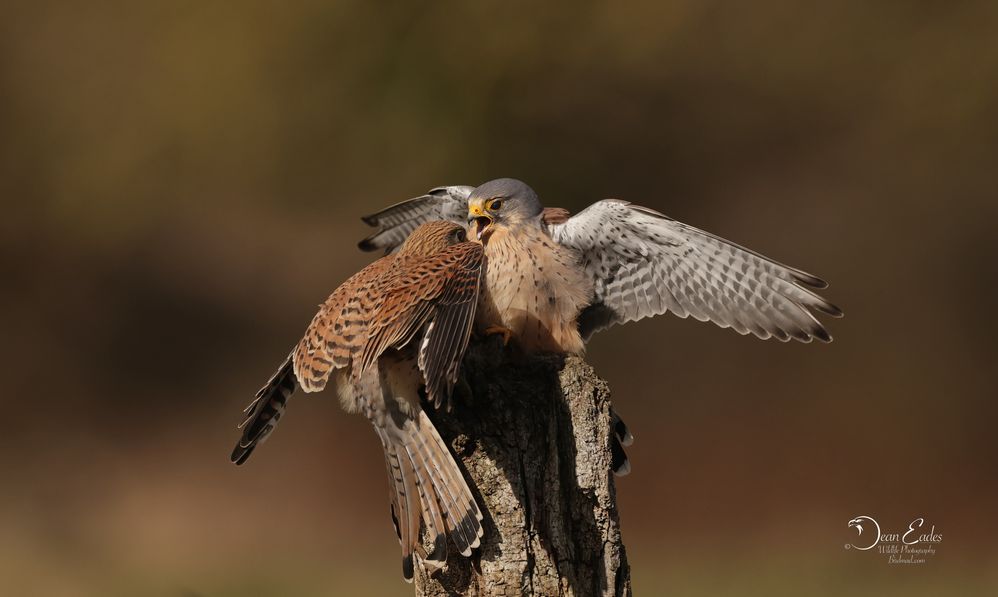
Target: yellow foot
(505, 332)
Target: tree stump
(532, 434)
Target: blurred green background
(182, 182)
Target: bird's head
(858, 522)
(501, 203)
(433, 237)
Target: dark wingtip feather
(620, 429)
(240, 453)
(265, 411)
(822, 334)
(618, 458)
(367, 245)
(781, 335)
(810, 279)
(829, 309)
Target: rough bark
(533, 436)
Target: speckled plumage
(552, 280)
(629, 262)
(534, 289)
(402, 321)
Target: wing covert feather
(438, 296)
(337, 332)
(396, 222)
(643, 263)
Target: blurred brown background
(182, 182)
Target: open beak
(479, 222)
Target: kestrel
(553, 280)
(401, 323)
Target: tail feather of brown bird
(397, 327)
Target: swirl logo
(874, 531)
(913, 545)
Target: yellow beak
(476, 210)
(479, 220)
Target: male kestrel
(401, 322)
(552, 280)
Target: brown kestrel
(401, 323)
(552, 280)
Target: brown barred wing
(338, 331)
(435, 296)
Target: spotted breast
(534, 288)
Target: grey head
(503, 202)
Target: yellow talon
(505, 332)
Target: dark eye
(460, 235)
(496, 205)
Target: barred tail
(265, 411)
(427, 484)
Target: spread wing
(337, 332)
(436, 296)
(395, 223)
(643, 263)
(386, 305)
